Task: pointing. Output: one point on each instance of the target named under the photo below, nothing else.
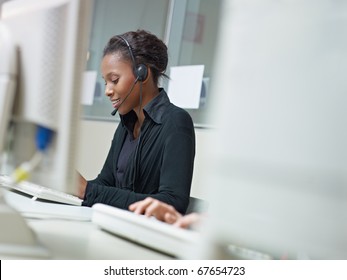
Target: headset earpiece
(141, 72)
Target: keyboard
(39, 192)
(145, 231)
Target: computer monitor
(277, 158)
(52, 38)
(8, 80)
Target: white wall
(95, 141)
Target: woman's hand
(153, 207)
(82, 184)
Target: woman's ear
(149, 75)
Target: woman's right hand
(82, 184)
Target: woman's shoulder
(178, 116)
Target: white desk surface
(67, 232)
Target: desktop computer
(43, 51)
(52, 39)
(278, 166)
(8, 79)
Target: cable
(138, 142)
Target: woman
(153, 148)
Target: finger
(133, 206)
(141, 206)
(171, 218)
(159, 209)
(154, 209)
(187, 221)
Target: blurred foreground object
(278, 183)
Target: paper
(184, 87)
(88, 87)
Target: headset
(140, 71)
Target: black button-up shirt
(161, 166)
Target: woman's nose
(108, 90)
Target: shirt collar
(154, 110)
(157, 106)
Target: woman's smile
(115, 103)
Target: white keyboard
(148, 232)
(39, 192)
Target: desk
(68, 233)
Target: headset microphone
(131, 89)
(114, 112)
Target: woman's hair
(147, 49)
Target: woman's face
(119, 78)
